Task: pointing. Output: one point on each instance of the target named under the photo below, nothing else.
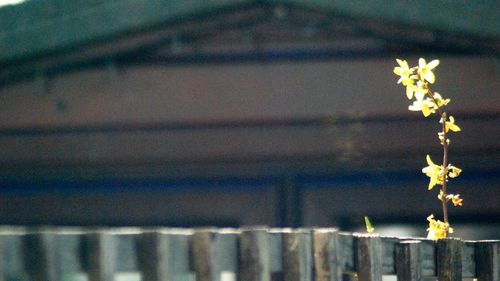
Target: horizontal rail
(227, 124)
(248, 254)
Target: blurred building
(231, 112)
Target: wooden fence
(248, 254)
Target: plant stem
(445, 169)
(444, 201)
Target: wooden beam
(37, 27)
(477, 18)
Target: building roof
(47, 37)
(36, 27)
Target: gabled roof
(51, 36)
(43, 26)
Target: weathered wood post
(487, 260)
(12, 258)
(449, 254)
(2, 258)
(163, 255)
(428, 258)
(275, 241)
(41, 256)
(297, 255)
(368, 257)
(408, 263)
(100, 256)
(203, 256)
(469, 259)
(347, 256)
(214, 252)
(254, 255)
(70, 259)
(327, 253)
(248, 254)
(152, 256)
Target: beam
(36, 28)
(471, 18)
(41, 27)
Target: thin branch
(444, 143)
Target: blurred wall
(239, 91)
(230, 93)
(138, 128)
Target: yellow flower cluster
(437, 229)
(455, 198)
(437, 173)
(416, 80)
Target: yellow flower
(425, 70)
(456, 200)
(450, 125)
(434, 172)
(420, 90)
(406, 76)
(410, 89)
(403, 70)
(453, 171)
(437, 229)
(441, 196)
(441, 137)
(439, 100)
(427, 106)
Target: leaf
(369, 227)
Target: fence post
(469, 259)
(449, 254)
(12, 258)
(202, 252)
(3, 272)
(327, 252)
(487, 260)
(369, 257)
(297, 255)
(254, 255)
(152, 256)
(275, 240)
(214, 253)
(163, 255)
(99, 255)
(347, 254)
(41, 256)
(69, 243)
(302, 254)
(408, 265)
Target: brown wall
(243, 120)
(240, 91)
(200, 96)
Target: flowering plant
(417, 80)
